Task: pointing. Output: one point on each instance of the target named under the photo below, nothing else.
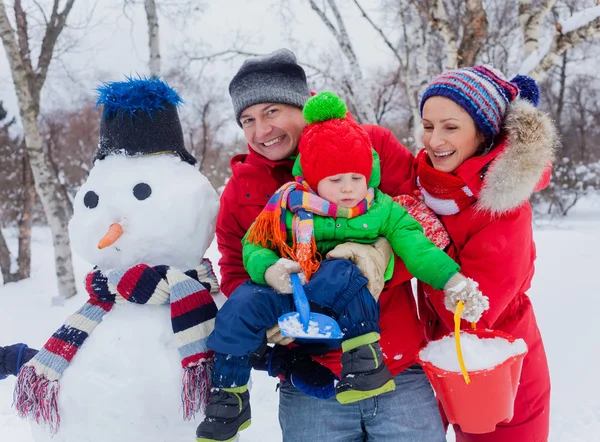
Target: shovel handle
(461, 361)
(300, 301)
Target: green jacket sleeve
(423, 259)
(257, 259)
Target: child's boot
(364, 374)
(227, 413)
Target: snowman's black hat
(140, 118)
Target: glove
(297, 367)
(371, 259)
(13, 357)
(274, 336)
(278, 275)
(461, 288)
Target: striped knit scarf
(270, 230)
(442, 192)
(193, 314)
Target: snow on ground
(564, 293)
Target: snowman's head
(153, 209)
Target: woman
(487, 148)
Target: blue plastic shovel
(329, 330)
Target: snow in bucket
(291, 326)
(478, 353)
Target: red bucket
(487, 400)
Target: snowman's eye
(90, 200)
(142, 191)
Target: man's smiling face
(272, 129)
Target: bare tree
(581, 26)
(153, 37)
(28, 83)
(21, 190)
(352, 84)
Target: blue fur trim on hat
(528, 89)
(145, 94)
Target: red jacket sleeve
(229, 241)
(500, 258)
(396, 160)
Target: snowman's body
(124, 383)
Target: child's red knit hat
(332, 143)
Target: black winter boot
(364, 374)
(227, 413)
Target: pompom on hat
(483, 93)
(332, 143)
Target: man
(268, 94)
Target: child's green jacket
(423, 259)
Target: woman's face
(450, 135)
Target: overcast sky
(113, 44)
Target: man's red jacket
(255, 178)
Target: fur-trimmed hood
(518, 163)
(531, 142)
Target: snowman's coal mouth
(117, 249)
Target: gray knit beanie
(273, 78)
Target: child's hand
(461, 288)
(278, 275)
(371, 259)
(274, 336)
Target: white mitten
(278, 275)
(461, 288)
(371, 259)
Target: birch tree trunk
(441, 23)
(531, 21)
(536, 64)
(153, 37)
(358, 96)
(26, 218)
(28, 84)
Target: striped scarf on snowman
(193, 313)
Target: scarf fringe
(36, 397)
(195, 393)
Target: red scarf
(444, 193)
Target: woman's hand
(371, 259)
(460, 288)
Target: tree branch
(324, 18)
(53, 30)
(562, 42)
(381, 33)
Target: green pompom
(324, 106)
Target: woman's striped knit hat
(483, 93)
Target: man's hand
(371, 259)
(278, 275)
(460, 288)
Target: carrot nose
(114, 233)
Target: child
(333, 200)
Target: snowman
(132, 364)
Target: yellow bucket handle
(461, 361)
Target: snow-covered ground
(566, 299)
